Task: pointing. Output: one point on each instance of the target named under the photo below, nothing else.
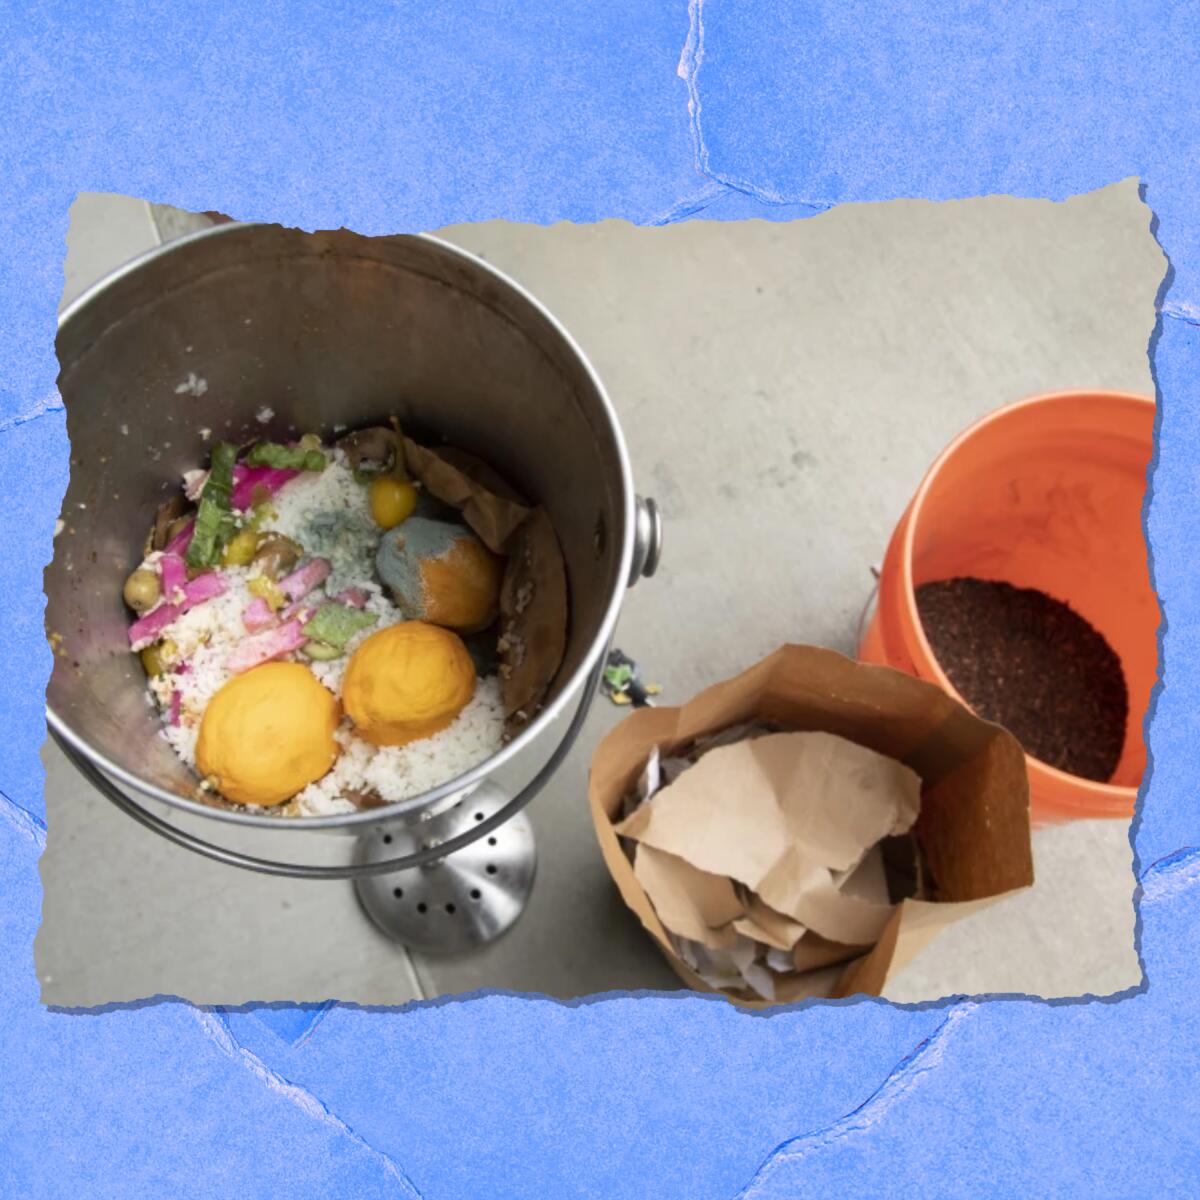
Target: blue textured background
(394, 117)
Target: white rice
(206, 635)
(313, 492)
(397, 772)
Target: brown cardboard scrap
(857, 912)
(848, 908)
(695, 819)
(533, 616)
(764, 924)
(692, 904)
(482, 473)
(815, 952)
(814, 984)
(493, 516)
(746, 927)
(784, 784)
(810, 895)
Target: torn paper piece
(765, 925)
(813, 952)
(757, 975)
(742, 807)
(715, 967)
(648, 783)
(690, 903)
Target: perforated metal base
(458, 903)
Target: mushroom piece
(375, 446)
(170, 516)
(176, 527)
(276, 555)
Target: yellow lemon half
(406, 682)
(267, 734)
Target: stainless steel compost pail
(255, 330)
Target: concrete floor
(782, 389)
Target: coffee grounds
(1030, 663)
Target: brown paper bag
(973, 825)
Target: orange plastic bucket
(1046, 493)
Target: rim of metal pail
(549, 713)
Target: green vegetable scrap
(335, 624)
(285, 458)
(320, 651)
(618, 678)
(215, 522)
(622, 682)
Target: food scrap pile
(333, 627)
